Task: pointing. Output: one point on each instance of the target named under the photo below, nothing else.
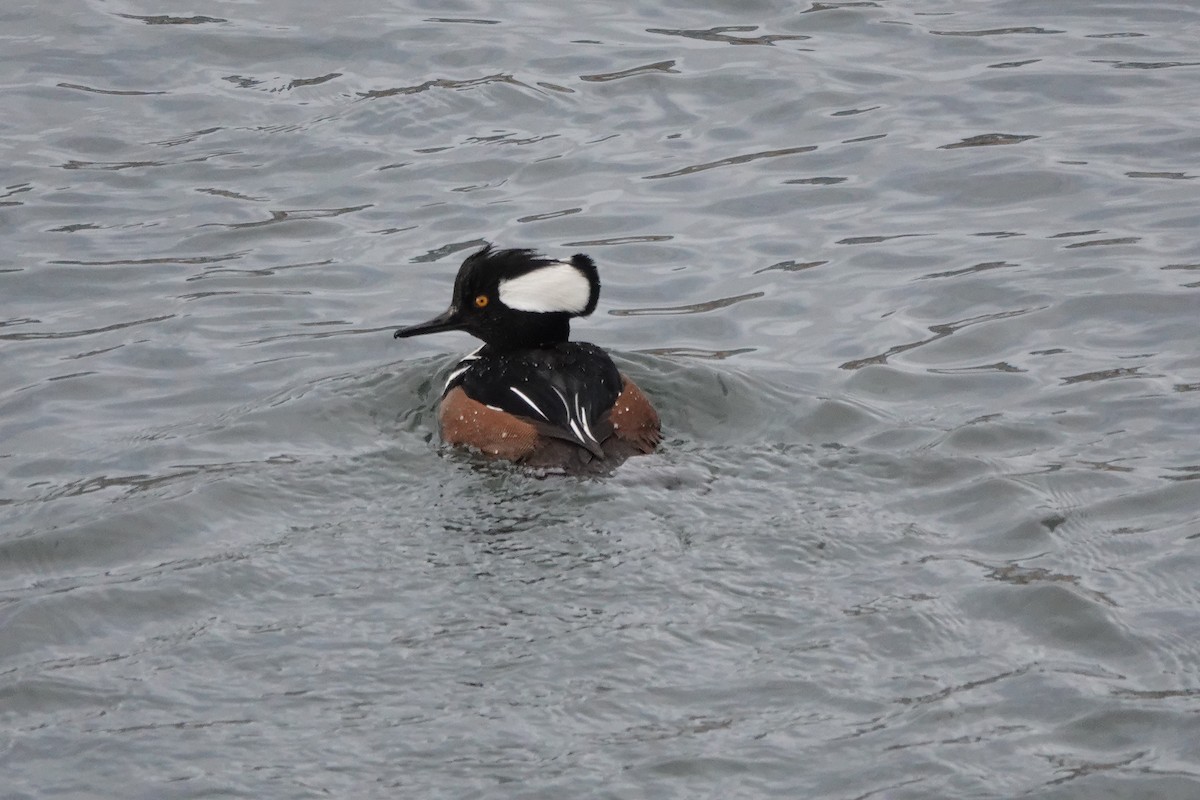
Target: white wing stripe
(583, 420)
(531, 404)
(571, 421)
(566, 405)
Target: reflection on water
(911, 287)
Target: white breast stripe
(531, 404)
(558, 286)
(450, 379)
(461, 367)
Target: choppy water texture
(916, 286)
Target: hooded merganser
(529, 395)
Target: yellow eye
(481, 301)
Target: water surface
(914, 286)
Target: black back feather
(563, 390)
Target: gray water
(915, 286)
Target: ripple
(216, 258)
(464, 20)
(983, 267)
(989, 140)
(1174, 176)
(71, 334)
(722, 35)
(823, 181)
(694, 352)
(549, 215)
(164, 19)
(118, 92)
(1106, 242)
(666, 67)
(1149, 64)
(1106, 375)
(940, 331)
(690, 308)
(441, 83)
(791, 266)
(293, 215)
(960, 564)
(1028, 29)
(618, 240)
(726, 162)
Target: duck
(529, 394)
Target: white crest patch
(555, 287)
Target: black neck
(531, 330)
